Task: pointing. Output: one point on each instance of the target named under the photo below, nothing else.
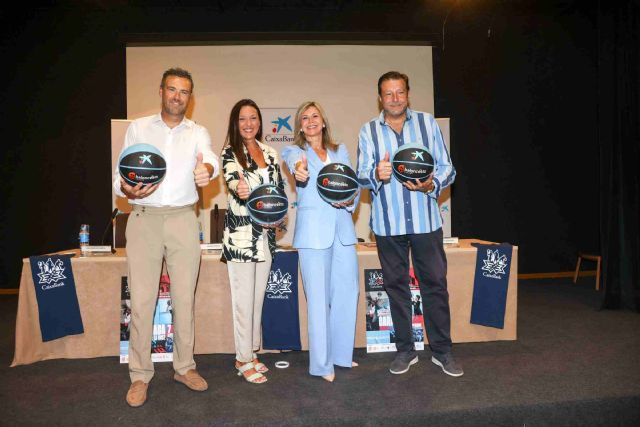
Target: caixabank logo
(281, 122)
(51, 274)
(494, 264)
(278, 125)
(145, 158)
(279, 285)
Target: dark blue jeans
(430, 267)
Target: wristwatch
(433, 187)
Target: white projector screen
(342, 78)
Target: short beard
(393, 115)
(181, 110)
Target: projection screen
(342, 78)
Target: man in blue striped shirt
(405, 217)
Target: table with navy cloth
(98, 283)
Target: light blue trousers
(330, 279)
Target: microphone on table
(115, 212)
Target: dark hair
(392, 75)
(176, 72)
(234, 139)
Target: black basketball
(267, 204)
(142, 163)
(412, 162)
(337, 183)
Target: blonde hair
(327, 140)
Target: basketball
(412, 162)
(337, 183)
(142, 163)
(267, 204)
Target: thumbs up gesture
(302, 170)
(383, 170)
(242, 190)
(201, 173)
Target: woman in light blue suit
(325, 238)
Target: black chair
(120, 227)
(216, 224)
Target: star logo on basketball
(417, 155)
(279, 285)
(338, 168)
(271, 190)
(412, 162)
(145, 158)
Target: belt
(162, 210)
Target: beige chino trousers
(154, 234)
(248, 281)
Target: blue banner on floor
(58, 307)
(490, 285)
(280, 318)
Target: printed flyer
(380, 332)
(162, 339)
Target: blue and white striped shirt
(395, 210)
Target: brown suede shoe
(192, 379)
(137, 394)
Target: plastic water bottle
(83, 236)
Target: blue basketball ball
(337, 183)
(267, 204)
(142, 163)
(412, 162)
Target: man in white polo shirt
(163, 225)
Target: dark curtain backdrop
(517, 78)
(619, 140)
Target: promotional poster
(162, 340)
(380, 332)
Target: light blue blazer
(317, 221)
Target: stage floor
(571, 365)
